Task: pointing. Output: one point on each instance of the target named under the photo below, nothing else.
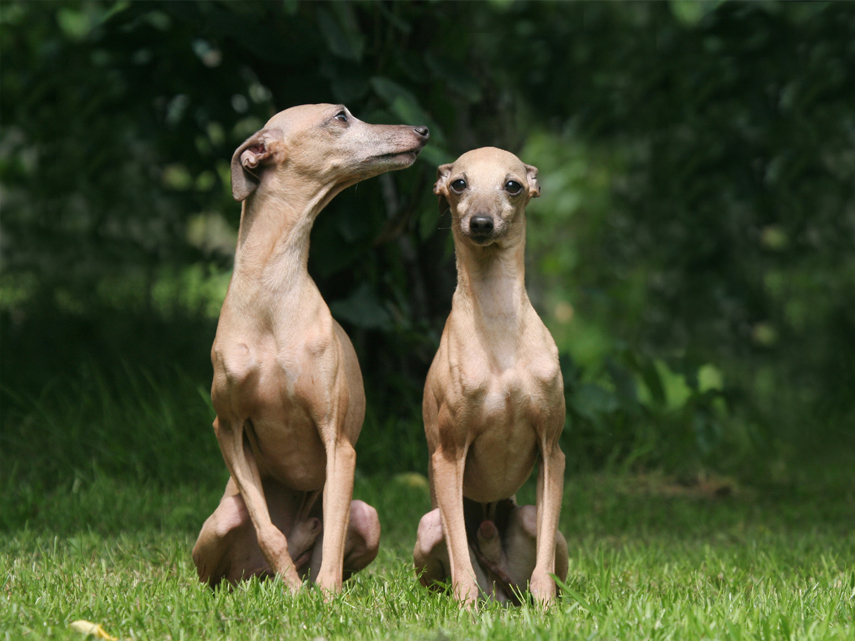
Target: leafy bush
(697, 212)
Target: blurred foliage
(692, 252)
(714, 221)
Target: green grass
(100, 505)
(649, 560)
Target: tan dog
(287, 387)
(494, 399)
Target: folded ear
(531, 177)
(253, 152)
(440, 187)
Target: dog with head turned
(287, 387)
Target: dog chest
(498, 462)
(290, 451)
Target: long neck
(491, 282)
(273, 241)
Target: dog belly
(492, 474)
(292, 454)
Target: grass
(649, 560)
(99, 508)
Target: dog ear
(440, 188)
(246, 159)
(533, 185)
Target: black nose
(481, 225)
(422, 131)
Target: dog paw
(291, 579)
(543, 588)
(467, 592)
(329, 581)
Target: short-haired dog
(287, 386)
(494, 399)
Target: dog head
(323, 144)
(487, 190)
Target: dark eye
(513, 187)
(458, 185)
(341, 115)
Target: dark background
(692, 252)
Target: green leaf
(290, 7)
(652, 380)
(691, 12)
(455, 75)
(75, 24)
(405, 105)
(591, 401)
(341, 31)
(434, 155)
(362, 309)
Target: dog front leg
(448, 488)
(550, 488)
(338, 493)
(244, 470)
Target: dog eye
(513, 187)
(341, 116)
(458, 185)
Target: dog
(493, 400)
(287, 387)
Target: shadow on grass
(620, 509)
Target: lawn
(100, 506)
(649, 559)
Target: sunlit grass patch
(643, 564)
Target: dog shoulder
(233, 363)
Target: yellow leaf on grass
(413, 480)
(89, 628)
